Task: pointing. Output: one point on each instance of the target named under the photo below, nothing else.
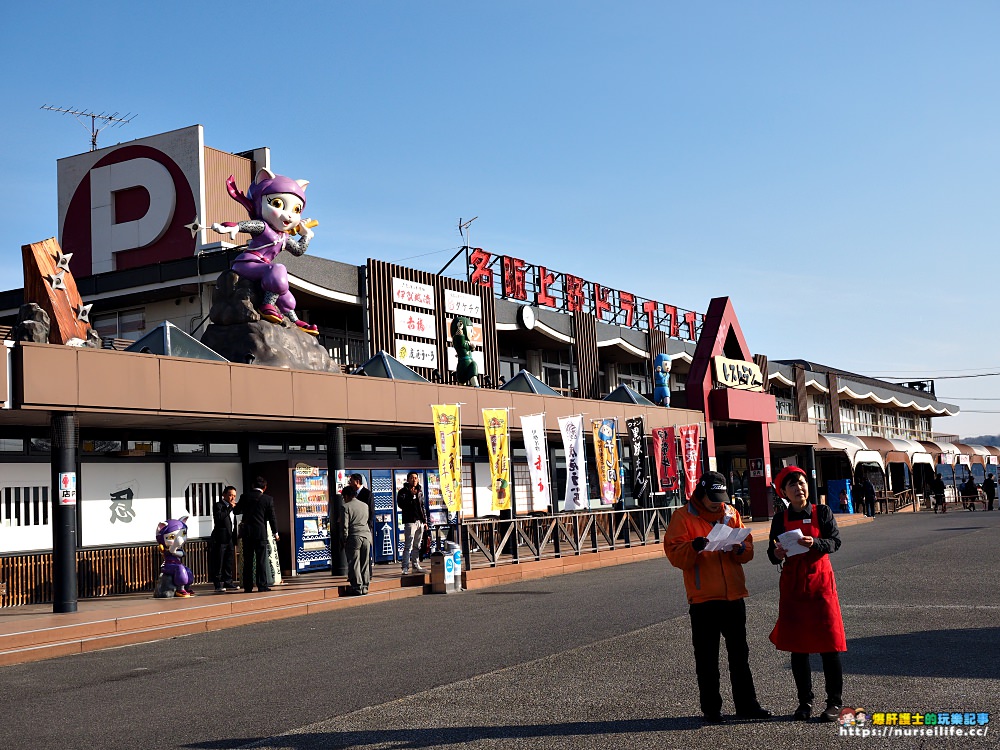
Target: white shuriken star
(194, 227)
(62, 259)
(83, 313)
(56, 280)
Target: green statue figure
(467, 371)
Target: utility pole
(107, 120)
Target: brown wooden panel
(834, 402)
(53, 375)
(319, 394)
(585, 333)
(118, 380)
(191, 386)
(371, 399)
(801, 397)
(266, 391)
(219, 206)
(40, 262)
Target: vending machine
(312, 518)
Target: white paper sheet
(723, 537)
(790, 542)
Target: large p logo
(108, 237)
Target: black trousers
(220, 562)
(832, 671)
(254, 551)
(709, 622)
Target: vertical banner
(665, 458)
(576, 463)
(608, 465)
(498, 445)
(448, 436)
(640, 476)
(533, 428)
(689, 450)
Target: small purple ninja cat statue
(175, 577)
(275, 205)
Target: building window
(511, 363)
(819, 412)
(849, 419)
(124, 324)
(557, 370)
(635, 375)
(867, 420)
(785, 401)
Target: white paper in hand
(790, 542)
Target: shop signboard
(690, 454)
(410, 323)
(756, 466)
(413, 293)
(576, 497)
(738, 374)
(459, 303)
(533, 429)
(498, 449)
(416, 354)
(608, 465)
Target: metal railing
(488, 543)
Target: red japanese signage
(513, 278)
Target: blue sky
(833, 167)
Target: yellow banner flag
(448, 436)
(608, 465)
(498, 445)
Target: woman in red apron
(809, 620)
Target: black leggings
(832, 671)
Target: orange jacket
(708, 576)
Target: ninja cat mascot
(275, 205)
(175, 577)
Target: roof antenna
(463, 229)
(107, 120)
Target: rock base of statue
(238, 334)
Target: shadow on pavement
(932, 653)
(407, 739)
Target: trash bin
(439, 576)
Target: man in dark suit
(257, 509)
(221, 545)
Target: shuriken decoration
(62, 259)
(56, 280)
(83, 313)
(194, 227)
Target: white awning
(857, 452)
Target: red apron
(809, 620)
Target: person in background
(970, 493)
(364, 495)
(937, 487)
(809, 618)
(357, 541)
(868, 496)
(716, 591)
(257, 509)
(410, 501)
(990, 491)
(222, 543)
(843, 501)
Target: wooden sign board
(49, 283)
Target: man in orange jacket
(716, 589)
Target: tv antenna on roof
(107, 120)
(466, 233)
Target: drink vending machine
(312, 518)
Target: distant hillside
(983, 440)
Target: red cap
(779, 481)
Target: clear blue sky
(833, 167)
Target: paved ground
(600, 659)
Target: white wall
(29, 487)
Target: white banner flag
(533, 427)
(576, 463)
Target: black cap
(713, 485)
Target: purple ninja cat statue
(275, 205)
(175, 577)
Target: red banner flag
(665, 458)
(690, 453)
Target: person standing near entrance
(937, 487)
(990, 491)
(410, 501)
(868, 496)
(365, 496)
(222, 543)
(357, 541)
(716, 590)
(809, 619)
(257, 509)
